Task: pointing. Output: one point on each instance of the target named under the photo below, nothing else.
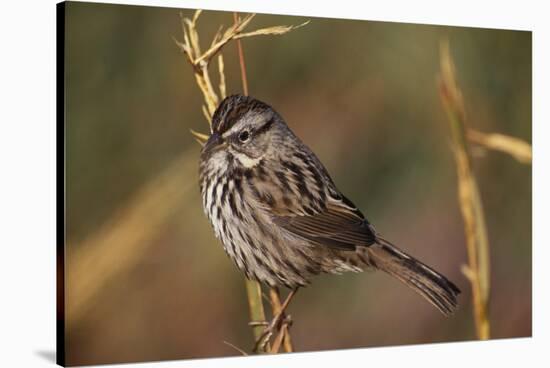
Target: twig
(253, 288)
(515, 147)
(223, 91)
(275, 323)
(241, 60)
(285, 334)
(235, 347)
(256, 308)
(201, 60)
(279, 339)
(477, 271)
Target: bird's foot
(279, 319)
(270, 328)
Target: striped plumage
(279, 215)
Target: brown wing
(341, 225)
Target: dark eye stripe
(261, 130)
(264, 128)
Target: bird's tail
(433, 286)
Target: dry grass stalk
(123, 240)
(279, 340)
(515, 147)
(477, 270)
(242, 65)
(253, 288)
(255, 299)
(284, 335)
(256, 310)
(200, 62)
(236, 348)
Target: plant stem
(275, 297)
(241, 59)
(477, 244)
(256, 307)
(253, 288)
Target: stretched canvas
(418, 137)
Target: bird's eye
(243, 136)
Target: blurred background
(146, 278)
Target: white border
(27, 184)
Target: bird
(279, 215)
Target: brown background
(147, 280)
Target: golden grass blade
(207, 116)
(188, 49)
(193, 36)
(471, 207)
(196, 16)
(515, 147)
(241, 24)
(256, 309)
(123, 240)
(223, 93)
(278, 340)
(242, 65)
(181, 45)
(212, 97)
(244, 353)
(217, 36)
(276, 30)
(199, 137)
(229, 34)
(284, 335)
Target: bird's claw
(275, 324)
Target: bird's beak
(213, 141)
